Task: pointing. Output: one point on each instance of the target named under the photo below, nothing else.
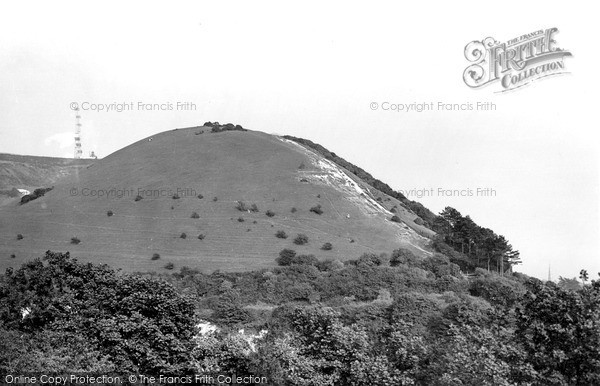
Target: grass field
(224, 168)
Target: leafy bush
(294, 210)
(169, 266)
(285, 256)
(327, 247)
(195, 215)
(155, 256)
(37, 193)
(395, 219)
(241, 219)
(403, 256)
(138, 198)
(176, 196)
(215, 199)
(419, 221)
(200, 196)
(75, 240)
(12, 256)
(183, 236)
(201, 236)
(317, 209)
(109, 213)
(270, 213)
(281, 235)
(19, 237)
(301, 239)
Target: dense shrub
(327, 247)
(200, 196)
(281, 235)
(293, 210)
(169, 266)
(317, 209)
(195, 215)
(109, 213)
(403, 256)
(19, 237)
(215, 199)
(37, 193)
(176, 196)
(301, 239)
(241, 219)
(270, 213)
(12, 256)
(138, 198)
(288, 259)
(242, 207)
(201, 236)
(286, 256)
(216, 127)
(183, 236)
(395, 219)
(155, 256)
(75, 240)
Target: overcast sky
(313, 70)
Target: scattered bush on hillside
(215, 199)
(176, 196)
(183, 236)
(281, 235)
(242, 207)
(419, 221)
(327, 247)
(395, 219)
(301, 239)
(317, 209)
(301, 166)
(200, 196)
(294, 210)
(19, 237)
(75, 240)
(254, 222)
(285, 256)
(195, 215)
(169, 266)
(155, 256)
(393, 210)
(37, 193)
(303, 180)
(270, 213)
(201, 236)
(109, 213)
(138, 198)
(241, 219)
(12, 256)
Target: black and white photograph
(315, 193)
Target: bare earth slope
(224, 168)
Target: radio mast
(78, 151)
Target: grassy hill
(278, 175)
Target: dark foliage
(301, 239)
(317, 209)
(37, 193)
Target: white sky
(312, 69)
